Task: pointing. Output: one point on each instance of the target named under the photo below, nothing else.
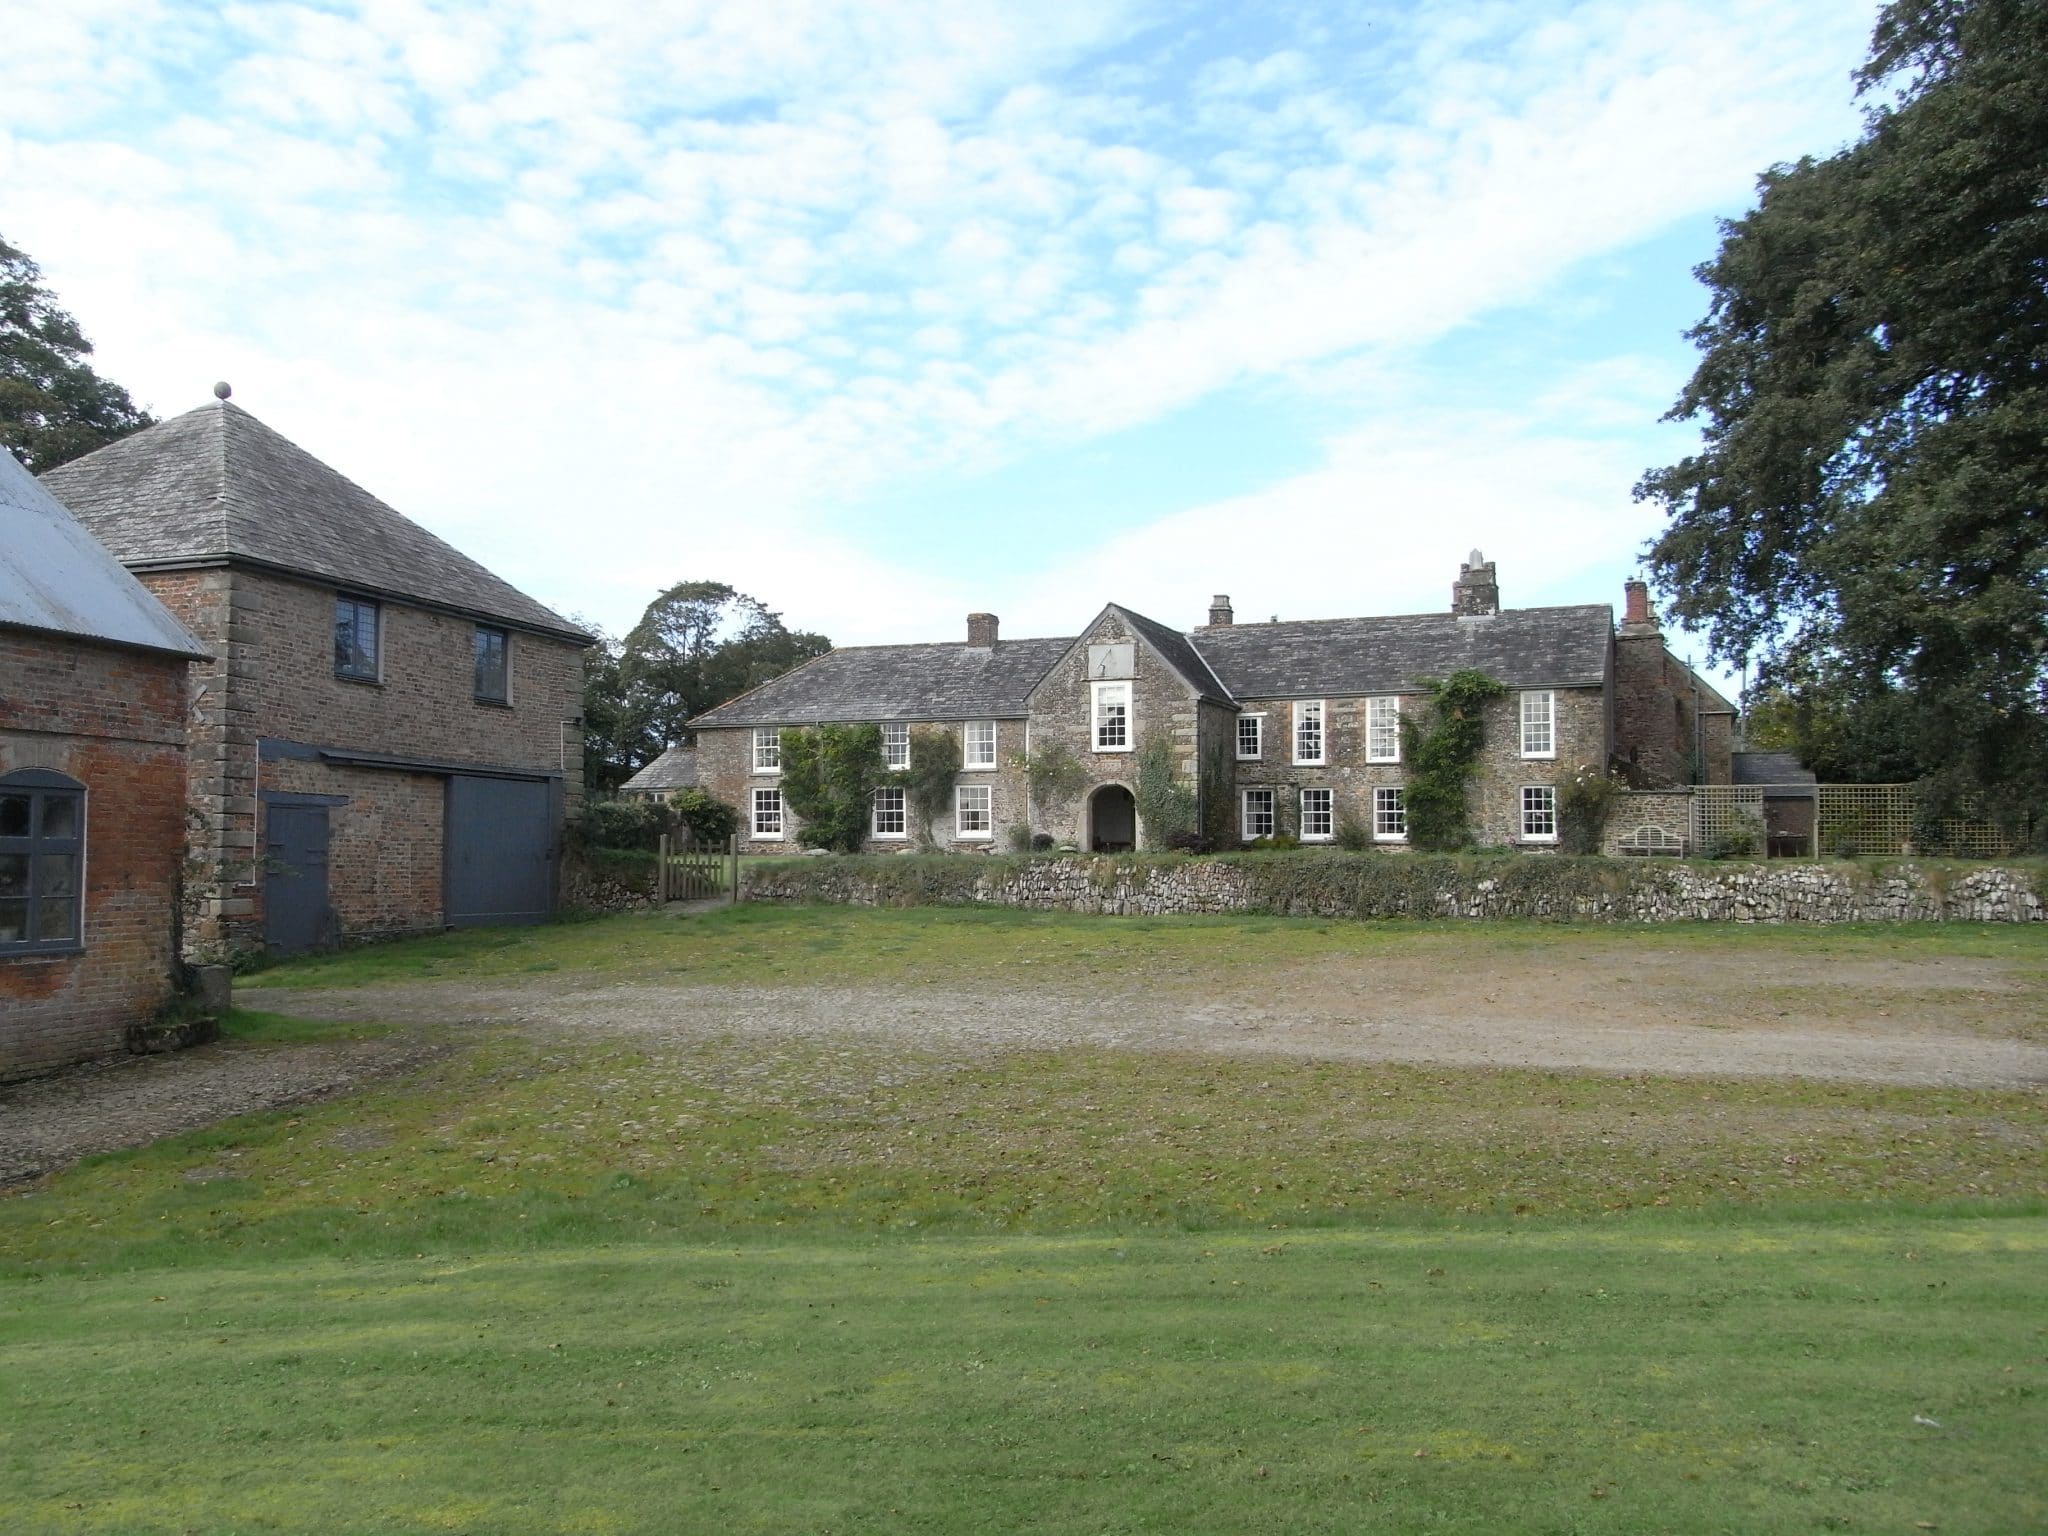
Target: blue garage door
(501, 851)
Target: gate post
(661, 871)
(732, 850)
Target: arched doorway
(1112, 820)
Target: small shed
(1790, 799)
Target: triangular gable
(1174, 651)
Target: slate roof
(674, 769)
(1771, 768)
(1179, 653)
(216, 484)
(57, 579)
(936, 681)
(1521, 647)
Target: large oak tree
(1865, 517)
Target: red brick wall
(115, 721)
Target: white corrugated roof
(56, 577)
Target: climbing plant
(1167, 807)
(1441, 749)
(829, 775)
(1053, 774)
(1583, 802)
(928, 781)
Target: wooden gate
(693, 871)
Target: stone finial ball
(221, 390)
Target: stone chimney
(981, 630)
(1636, 618)
(1475, 593)
(1220, 616)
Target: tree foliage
(829, 777)
(53, 406)
(697, 645)
(1865, 517)
(1441, 750)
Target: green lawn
(810, 1285)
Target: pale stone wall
(1420, 886)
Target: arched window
(42, 862)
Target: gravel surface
(127, 1101)
(1949, 1024)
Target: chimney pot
(1220, 616)
(1476, 593)
(981, 630)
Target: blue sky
(885, 312)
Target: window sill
(1104, 751)
(1539, 757)
(360, 682)
(974, 837)
(978, 767)
(492, 703)
(1311, 762)
(1391, 842)
(40, 951)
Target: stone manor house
(1279, 727)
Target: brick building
(95, 688)
(388, 738)
(1280, 728)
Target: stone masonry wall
(115, 721)
(384, 853)
(1667, 809)
(1368, 886)
(274, 677)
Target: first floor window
(1308, 731)
(1539, 813)
(355, 639)
(888, 820)
(1112, 717)
(1539, 725)
(1389, 815)
(768, 813)
(973, 811)
(42, 861)
(1318, 816)
(1383, 730)
(493, 677)
(1257, 813)
(978, 750)
(1251, 737)
(767, 749)
(895, 746)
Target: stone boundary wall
(1322, 884)
(607, 880)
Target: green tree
(699, 644)
(1865, 516)
(53, 407)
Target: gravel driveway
(1949, 1024)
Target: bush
(1041, 842)
(622, 824)
(1187, 840)
(1583, 802)
(1019, 837)
(1353, 835)
(703, 816)
(1280, 842)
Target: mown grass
(598, 1284)
(759, 944)
(1649, 1377)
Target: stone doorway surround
(1112, 820)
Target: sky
(887, 312)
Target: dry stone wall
(1365, 886)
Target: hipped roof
(216, 485)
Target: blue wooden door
(500, 851)
(297, 912)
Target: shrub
(1041, 842)
(1167, 807)
(702, 815)
(1019, 837)
(1188, 840)
(1583, 803)
(622, 824)
(1353, 835)
(829, 775)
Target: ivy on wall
(928, 781)
(1441, 749)
(829, 777)
(1053, 774)
(1167, 808)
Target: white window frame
(1317, 710)
(902, 814)
(1329, 810)
(1383, 725)
(1539, 713)
(895, 735)
(986, 793)
(968, 761)
(767, 749)
(781, 816)
(1389, 810)
(1547, 812)
(1244, 812)
(1258, 724)
(1118, 691)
